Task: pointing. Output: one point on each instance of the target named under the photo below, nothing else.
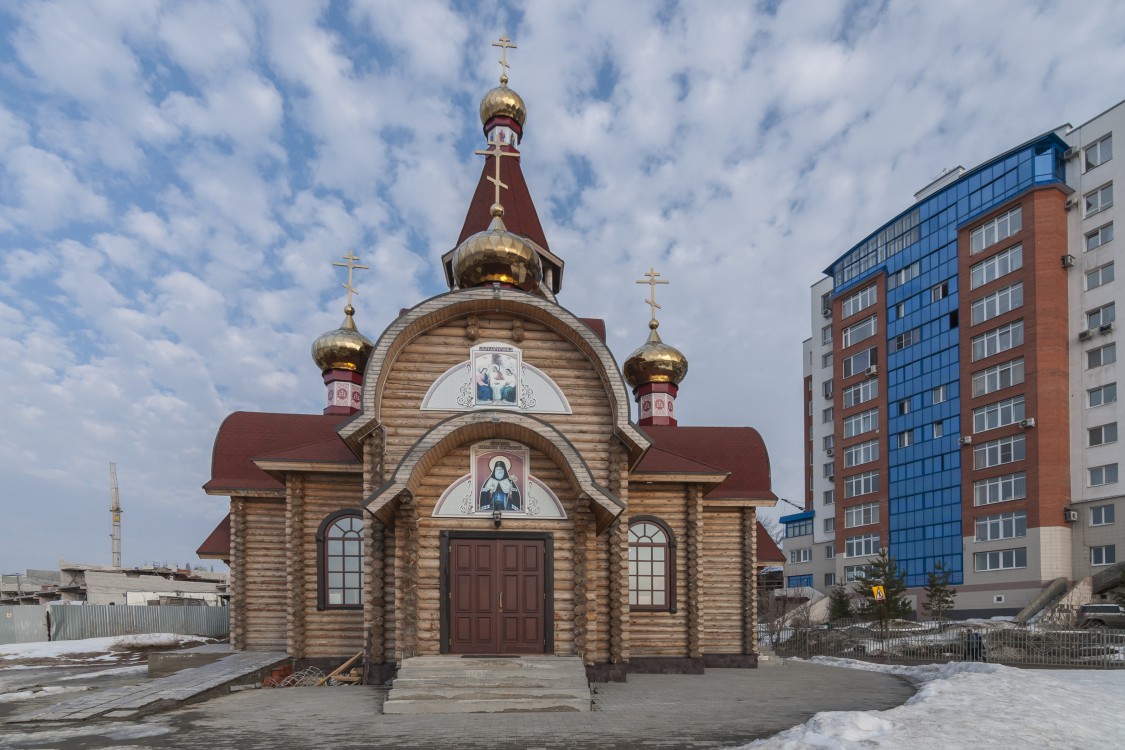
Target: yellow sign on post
(880, 593)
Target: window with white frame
(998, 265)
(1101, 316)
(1104, 394)
(1001, 559)
(904, 340)
(829, 579)
(904, 407)
(1105, 554)
(861, 392)
(829, 469)
(939, 429)
(829, 442)
(1003, 450)
(1000, 228)
(826, 388)
(861, 515)
(1000, 489)
(900, 310)
(998, 340)
(861, 300)
(1099, 200)
(857, 424)
(905, 438)
(999, 302)
(1100, 276)
(900, 277)
(939, 395)
(939, 292)
(1103, 475)
(800, 555)
(861, 484)
(861, 453)
(826, 334)
(1002, 526)
(1103, 355)
(1000, 414)
(996, 378)
(826, 360)
(826, 415)
(1098, 152)
(1101, 515)
(829, 525)
(1099, 236)
(858, 572)
(1103, 434)
(860, 331)
(863, 545)
(829, 497)
(858, 363)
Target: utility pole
(115, 514)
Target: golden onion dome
(655, 362)
(502, 102)
(343, 349)
(497, 255)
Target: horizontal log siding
(722, 583)
(265, 604)
(662, 633)
(331, 632)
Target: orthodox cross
(497, 153)
(504, 44)
(652, 282)
(351, 265)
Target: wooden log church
(476, 485)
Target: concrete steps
(457, 685)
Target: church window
(339, 543)
(652, 565)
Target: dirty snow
(139, 669)
(94, 649)
(968, 704)
(22, 695)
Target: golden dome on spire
(655, 362)
(497, 255)
(344, 348)
(502, 102)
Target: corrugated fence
(68, 623)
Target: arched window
(339, 544)
(652, 565)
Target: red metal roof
(520, 216)
(597, 325)
(217, 545)
(738, 450)
(768, 551)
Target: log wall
(724, 575)
(264, 601)
(663, 633)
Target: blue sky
(176, 180)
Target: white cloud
(44, 192)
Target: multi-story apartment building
(961, 382)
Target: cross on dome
(504, 44)
(497, 153)
(351, 265)
(651, 280)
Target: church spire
(655, 370)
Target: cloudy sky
(176, 180)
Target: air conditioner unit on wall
(1070, 515)
(1106, 327)
(1071, 202)
(1067, 260)
(830, 451)
(826, 312)
(872, 370)
(965, 440)
(1084, 335)
(1029, 422)
(1071, 152)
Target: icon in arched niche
(496, 374)
(500, 479)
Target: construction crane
(115, 514)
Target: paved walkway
(133, 701)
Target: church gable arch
(500, 479)
(496, 376)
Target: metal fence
(22, 625)
(919, 643)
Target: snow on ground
(111, 672)
(22, 695)
(969, 704)
(94, 649)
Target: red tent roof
(217, 546)
(738, 450)
(520, 216)
(768, 551)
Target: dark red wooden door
(496, 596)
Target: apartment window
(1000, 414)
(999, 302)
(1106, 394)
(906, 438)
(798, 582)
(826, 415)
(804, 527)
(998, 265)
(857, 424)
(857, 572)
(1099, 276)
(1099, 152)
(1001, 559)
(826, 388)
(998, 340)
(1000, 489)
(1000, 228)
(1103, 434)
(1099, 200)
(829, 442)
(829, 470)
(829, 525)
(858, 363)
(861, 484)
(900, 310)
(861, 392)
(826, 334)
(861, 546)
(826, 360)
(1103, 355)
(1002, 526)
(800, 555)
(999, 377)
(1101, 515)
(861, 515)
(1101, 316)
(862, 330)
(904, 340)
(1103, 555)
(939, 395)
(900, 277)
(939, 292)
(904, 407)
(861, 453)
(939, 429)
(1099, 236)
(1102, 475)
(1004, 450)
(861, 300)
(829, 578)
(829, 497)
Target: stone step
(474, 706)
(492, 681)
(486, 694)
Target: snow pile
(111, 672)
(94, 649)
(22, 695)
(969, 704)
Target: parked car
(1101, 616)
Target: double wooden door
(496, 596)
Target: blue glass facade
(924, 486)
